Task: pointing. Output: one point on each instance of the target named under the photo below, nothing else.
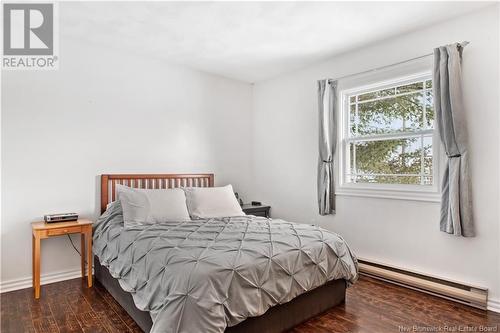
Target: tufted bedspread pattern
(205, 275)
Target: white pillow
(148, 206)
(208, 202)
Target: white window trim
(387, 191)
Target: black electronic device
(64, 217)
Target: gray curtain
(327, 144)
(456, 204)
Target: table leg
(82, 253)
(36, 265)
(33, 261)
(89, 257)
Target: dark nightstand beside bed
(259, 210)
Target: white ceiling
(249, 41)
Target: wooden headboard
(151, 181)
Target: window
(387, 136)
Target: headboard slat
(152, 181)
(113, 190)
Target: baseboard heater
(452, 290)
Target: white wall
(403, 233)
(107, 112)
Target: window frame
(391, 191)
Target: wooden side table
(43, 230)
(257, 210)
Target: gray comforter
(205, 275)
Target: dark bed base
(277, 319)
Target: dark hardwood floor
(371, 306)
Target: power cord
(74, 247)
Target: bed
(196, 288)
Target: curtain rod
(463, 44)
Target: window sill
(426, 196)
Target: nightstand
(43, 230)
(259, 210)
